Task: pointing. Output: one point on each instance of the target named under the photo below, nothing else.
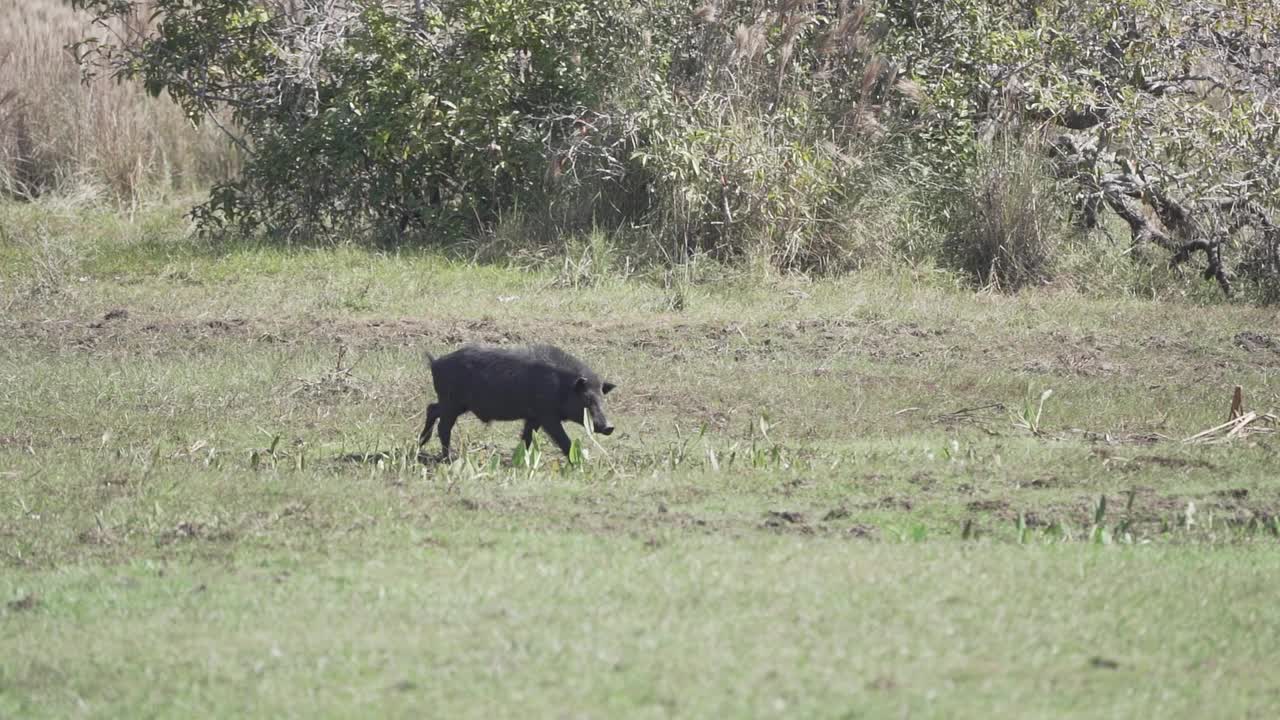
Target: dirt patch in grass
(660, 338)
(814, 343)
(1175, 463)
(1124, 438)
(195, 531)
(110, 316)
(1085, 363)
(1152, 512)
(98, 535)
(779, 518)
(989, 505)
(19, 440)
(889, 502)
(611, 516)
(23, 604)
(1046, 483)
(1250, 341)
(1124, 464)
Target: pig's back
(497, 383)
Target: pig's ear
(607, 387)
(580, 385)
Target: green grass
(821, 501)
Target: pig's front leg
(557, 433)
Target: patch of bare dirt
(194, 531)
(110, 316)
(923, 480)
(1152, 510)
(1175, 463)
(778, 518)
(97, 535)
(1250, 341)
(862, 532)
(1132, 464)
(660, 340)
(1238, 504)
(888, 502)
(833, 514)
(1141, 438)
(23, 604)
(119, 331)
(1259, 350)
(993, 505)
(608, 517)
(883, 683)
(1236, 494)
(21, 440)
(1082, 362)
(225, 327)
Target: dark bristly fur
(540, 384)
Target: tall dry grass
(104, 139)
(1008, 223)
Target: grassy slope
(816, 570)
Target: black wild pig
(540, 384)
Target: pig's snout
(606, 430)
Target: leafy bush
(356, 116)
(730, 130)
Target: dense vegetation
(739, 128)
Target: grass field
(839, 498)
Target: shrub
(745, 129)
(1006, 223)
(729, 130)
(362, 116)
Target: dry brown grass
(103, 138)
(1008, 225)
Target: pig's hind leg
(526, 435)
(433, 414)
(447, 418)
